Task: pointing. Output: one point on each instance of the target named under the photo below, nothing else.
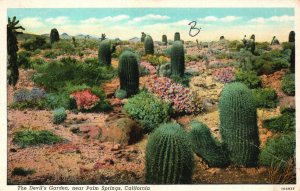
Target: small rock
(116, 147)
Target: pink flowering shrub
(224, 75)
(85, 99)
(181, 98)
(148, 67)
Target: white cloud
(281, 19)
(58, 20)
(104, 20)
(150, 17)
(223, 19)
(32, 22)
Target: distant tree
(12, 48)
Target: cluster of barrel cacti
(238, 128)
(169, 158)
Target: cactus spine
(129, 73)
(238, 124)
(148, 44)
(12, 48)
(177, 59)
(54, 36)
(104, 53)
(177, 36)
(164, 39)
(169, 158)
(206, 146)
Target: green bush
(206, 146)
(20, 171)
(263, 46)
(249, 78)
(148, 110)
(121, 94)
(29, 137)
(288, 84)
(265, 98)
(55, 75)
(59, 115)
(24, 59)
(50, 54)
(283, 123)
(278, 151)
(65, 47)
(38, 42)
(169, 158)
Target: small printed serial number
(288, 188)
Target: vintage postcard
(149, 95)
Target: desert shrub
(50, 54)
(65, 47)
(224, 55)
(148, 110)
(146, 68)
(189, 58)
(287, 45)
(20, 171)
(29, 137)
(155, 60)
(24, 59)
(36, 98)
(249, 78)
(283, 123)
(91, 61)
(34, 62)
(270, 61)
(37, 51)
(263, 46)
(121, 94)
(56, 74)
(181, 98)
(38, 42)
(278, 151)
(169, 158)
(288, 84)
(59, 115)
(206, 146)
(235, 45)
(265, 98)
(224, 75)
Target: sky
(126, 23)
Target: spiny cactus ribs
(104, 53)
(238, 124)
(129, 73)
(177, 59)
(169, 158)
(59, 115)
(148, 44)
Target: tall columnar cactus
(148, 44)
(143, 37)
(129, 73)
(292, 36)
(222, 38)
(169, 158)
(206, 146)
(12, 48)
(238, 124)
(164, 39)
(177, 36)
(104, 53)
(177, 59)
(54, 35)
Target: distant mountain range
(134, 39)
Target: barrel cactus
(129, 73)
(177, 36)
(292, 36)
(148, 44)
(104, 53)
(177, 59)
(206, 146)
(12, 49)
(59, 115)
(238, 124)
(169, 158)
(54, 35)
(164, 39)
(292, 58)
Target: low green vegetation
(265, 98)
(26, 138)
(288, 84)
(20, 171)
